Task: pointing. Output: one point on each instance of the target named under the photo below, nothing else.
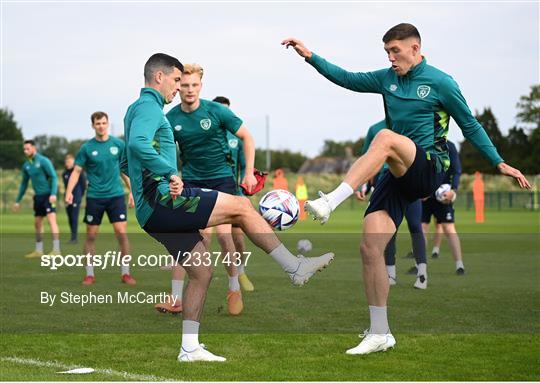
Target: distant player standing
(419, 100)
(238, 165)
(173, 215)
(200, 128)
(100, 158)
(444, 213)
(39, 169)
(72, 210)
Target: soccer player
(444, 212)
(413, 214)
(200, 128)
(40, 171)
(238, 165)
(72, 210)
(173, 215)
(100, 158)
(419, 101)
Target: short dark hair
(69, 155)
(222, 100)
(163, 62)
(98, 116)
(31, 142)
(401, 32)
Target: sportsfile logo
(117, 259)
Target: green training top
(150, 156)
(419, 105)
(202, 139)
(40, 170)
(101, 160)
(238, 159)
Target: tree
(471, 159)
(53, 147)
(529, 107)
(11, 141)
(518, 149)
(280, 159)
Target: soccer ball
(439, 193)
(280, 209)
(304, 246)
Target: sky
(61, 61)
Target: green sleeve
(454, 103)
(24, 185)
(145, 123)
(229, 120)
(368, 82)
(49, 170)
(123, 162)
(80, 158)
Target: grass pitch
(484, 326)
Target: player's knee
(384, 138)
(369, 251)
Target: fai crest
(113, 150)
(422, 91)
(206, 124)
(233, 143)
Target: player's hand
(298, 46)
(250, 181)
(360, 195)
(16, 206)
(175, 186)
(509, 171)
(68, 198)
(52, 199)
(449, 197)
(131, 201)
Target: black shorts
(393, 195)
(178, 228)
(42, 206)
(114, 206)
(443, 213)
(224, 185)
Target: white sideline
(62, 366)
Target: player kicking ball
(173, 215)
(39, 169)
(419, 99)
(100, 158)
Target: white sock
(379, 320)
(177, 289)
(241, 269)
(459, 264)
(422, 269)
(340, 194)
(56, 245)
(435, 249)
(284, 257)
(233, 283)
(89, 270)
(39, 246)
(391, 270)
(125, 269)
(190, 335)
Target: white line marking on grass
(62, 366)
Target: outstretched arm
(454, 103)
(368, 82)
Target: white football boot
(421, 282)
(200, 354)
(392, 281)
(319, 209)
(308, 266)
(373, 343)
